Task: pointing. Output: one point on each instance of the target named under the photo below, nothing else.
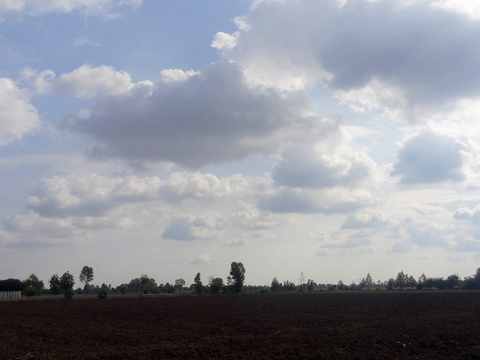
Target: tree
(390, 284)
(369, 281)
(275, 286)
(147, 285)
(289, 286)
(11, 285)
(133, 285)
(401, 280)
(179, 284)
(32, 286)
(216, 285)
(67, 281)
(411, 282)
(310, 285)
(86, 276)
(237, 271)
(55, 284)
(198, 284)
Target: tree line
(64, 284)
(144, 284)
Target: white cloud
(225, 41)
(392, 54)
(174, 75)
(335, 200)
(86, 82)
(94, 195)
(189, 227)
(430, 157)
(203, 259)
(366, 219)
(211, 117)
(17, 116)
(467, 7)
(250, 217)
(12, 5)
(33, 229)
(305, 166)
(90, 7)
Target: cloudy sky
(335, 138)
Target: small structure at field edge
(10, 295)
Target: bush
(102, 294)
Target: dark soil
(373, 325)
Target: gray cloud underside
(430, 54)
(210, 118)
(428, 158)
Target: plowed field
(371, 325)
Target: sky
(332, 138)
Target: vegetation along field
(325, 325)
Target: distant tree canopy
(275, 285)
(147, 285)
(216, 285)
(67, 281)
(55, 284)
(32, 286)
(472, 282)
(198, 284)
(237, 271)
(179, 284)
(86, 276)
(11, 285)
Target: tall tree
(237, 271)
(67, 281)
(401, 280)
(55, 284)
(86, 276)
(198, 284)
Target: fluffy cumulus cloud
(91, 7)
(323, 177)
(209, 117)
(86, 82)
(421, 51)
(430, 157)
(84, 195)
(366, 219)
(305, 167)
(33, 229)
(17, 115)
(189, 227)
